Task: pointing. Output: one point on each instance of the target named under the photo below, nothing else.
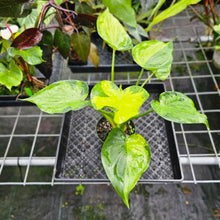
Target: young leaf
(12, 76)
(124, 160)
(81, 45)
(32, 56)
(111, 31)
(177, 107)
(171, 11)
(61, 97)
(156, 56)
(123, 10)
(63, 42)
(124, 103)
(27, 39)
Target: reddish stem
(8, 27)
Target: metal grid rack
(29, 137)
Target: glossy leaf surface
(124, 160)
(124, 103)
(156, 56)
(27, 39)
(12, 76)
(32, 56)
(61, 97)
(123, 10)
(81, 45)
(111, 31)
(171, 11)
(63, 42)
(177, 107)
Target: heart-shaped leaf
(123, 10)
(124, 103)
(156, 56)
(124, 160)
(61, 97)
(27, 39)
(177, 107)
(63, 42)
(81, 45)
(111, 31)
(12, 76)
(32, 56)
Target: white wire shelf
(29, 138)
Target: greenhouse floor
(30, 192)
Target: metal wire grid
(190, 161)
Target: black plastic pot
(79, 155)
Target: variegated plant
(124, 157)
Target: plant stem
(113, 66)
(143, 114)
(147, 80)
(8, 27)
(139, 78)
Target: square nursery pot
(123, 60)
(10, 100)
(79, 153)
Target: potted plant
(124, 157)
(33, 45)
(139, 21)
(210, 17)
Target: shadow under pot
(103, 128)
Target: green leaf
(63, 42)
(47, 39)
(156, 8)
(177, 107)
(81, 45)
(28, 21)
(32, 56)
(12, 76)
(217, 28)
(124, 160)
(124, 103)
(61, 97)
(171, 11)
(4, 45)
(155, 56)
(111, 31)
(123, 10)
(137, 32)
